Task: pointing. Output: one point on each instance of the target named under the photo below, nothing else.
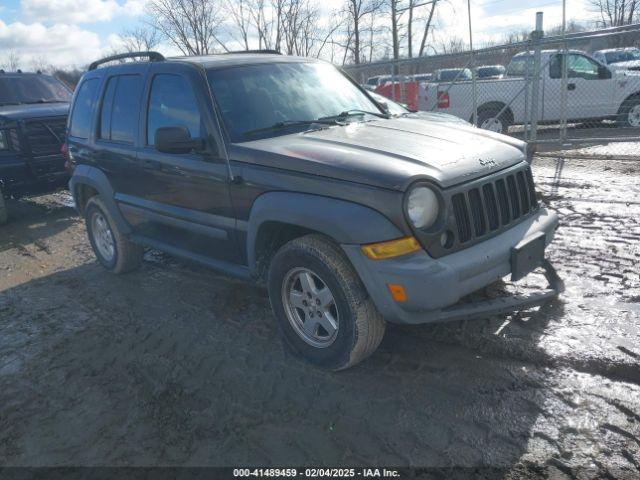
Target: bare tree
(191, 25)
(615, 13)
(12, 62)
(427, 27)
(242, 14)
(141, 39)
(395, 12)
(40, 63)
(452, 44)
(70, 77)
(300, 32)
(357, 11)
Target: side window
(555, 67)
(579, 66)
(582, 67)
(120, 107)
(105, 114)
(172, 103)
(82, 114)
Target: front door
(181, 200)
(588, 95)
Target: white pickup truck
(595, 92)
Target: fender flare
(96, 179)
(344, 221)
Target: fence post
(527, 83)
(473, 69)
(536, 36)
(564, 88)
(393, 87)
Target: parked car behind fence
(594, 92)
(33, 115)
(619, 58)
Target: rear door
(117, 129)
(181, 200)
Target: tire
(502, 123)
(360, 327)
(125, 255)
(629, 116)
(4, 215)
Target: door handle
(571, 86)
(152, 164)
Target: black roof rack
(274, 52)
(153, 57)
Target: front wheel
(323, 310)
(629, 116)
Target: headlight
(422, 207)
(4, 143)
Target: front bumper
(19, 176)
(435, 286)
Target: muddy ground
(175, 365)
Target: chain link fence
(577, 94)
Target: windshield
(253, 98)
(490, 71)
(622, 56)
(451, 75)
(520, 66)
(18, 89)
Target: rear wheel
(323, 310)
(491, 119)
(4, 216)
(112, 249)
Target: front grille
(45, 136)
(497, 203)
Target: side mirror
(384, 106)
(177, 140)
(604, 73)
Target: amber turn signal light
(392, 248)
(397, 292)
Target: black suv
(33, 118)
(282, 170)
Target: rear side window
(83, 109)
(120, 107)
(172, 104)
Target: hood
(630, 65)
(390, 153)
(35, 110)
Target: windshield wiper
(42, 100)
(291, 123)
(350, 113)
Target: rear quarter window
(80, 124)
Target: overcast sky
(75, 32)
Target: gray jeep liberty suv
(282, 170)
